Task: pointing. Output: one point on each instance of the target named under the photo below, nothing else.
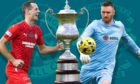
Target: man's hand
(60, 46)
(18, 63)
(138, 52)
(85, 58)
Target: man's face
(107, 13)
(33, 12)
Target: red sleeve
(40, 40)
(11, 32)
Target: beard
(34, 18)
(107, 20)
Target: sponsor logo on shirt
(114, 38)
(106, 38)
(28, 44)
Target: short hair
(27, 5)
(108, 3)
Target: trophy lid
(67, 9)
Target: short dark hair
(108, 3)
(27, 5)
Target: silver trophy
(67, 71)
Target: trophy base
(67, 61)
(74, 82)
(67, 72)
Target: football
(87, 45)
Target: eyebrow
(106, 11)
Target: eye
(36, 9)
(103, 11)
(108, 12)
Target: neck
(109, 22)
(29, 21)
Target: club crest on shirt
(25, 34)
(36, 36)
(106, 37)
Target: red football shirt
(23, 39)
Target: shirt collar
(102, 22)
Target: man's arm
(84, 58)
(138, 53)
(88, 32)
(48, 49)
(16, 62)
(130, 42)
(133, 46)
(4, 50)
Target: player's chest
(28, 35)
(108, 34)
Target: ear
(113, 12)
(27, 11)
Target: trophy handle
(82, 11)
(46, 21)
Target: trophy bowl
(67, 71)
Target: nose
(105, 14)
(38, 11)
